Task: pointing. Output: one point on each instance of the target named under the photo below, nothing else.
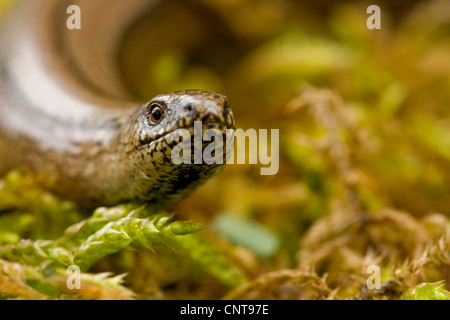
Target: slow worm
(65, 113)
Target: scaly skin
(65, 114)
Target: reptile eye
(156, 113)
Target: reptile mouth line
(170, 141)
(186, 124)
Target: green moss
(427, 291)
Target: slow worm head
(65, 113)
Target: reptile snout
(211, 109)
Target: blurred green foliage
(427, 291)
(364, 162)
